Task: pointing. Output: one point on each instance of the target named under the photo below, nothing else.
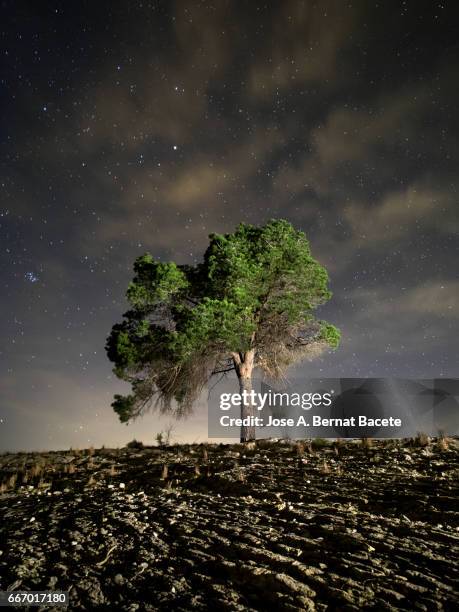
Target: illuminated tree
(248, 305)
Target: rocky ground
(278, 526)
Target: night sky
(129, 127)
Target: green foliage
(219, 322)
(256, 289)
(257, 266)
(123, 406)
(330, 334)
(155, 283)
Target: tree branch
(216, 383)
(237, 359)
(222, 371)
(194, 302)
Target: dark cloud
(302, 45)
(128, 128)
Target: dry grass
(70, 468)
(421, 440)
(443, 442)
(338, 446)
(37, 469)
(325, 468)
(112, 471)
(366, 443)
(246, 448)
(299, 449)
(165, 472)
(12, 480)
(9, 483)
(240, 475)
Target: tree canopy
(256, 290)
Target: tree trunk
(244, 366)
(247, 411)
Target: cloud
(350, 134)
(435, 298)
(154, 93)
(304, 41)
(356, 142)
(403, 329)
(175, 205)
(403, 213)
(432, 299)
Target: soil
(275, 525)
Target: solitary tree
(248, 305)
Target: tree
(248, 305)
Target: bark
(243, 364)
(247, 411)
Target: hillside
(279, 526)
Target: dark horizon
(130, 129)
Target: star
(31, 277)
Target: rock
(52, 582)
